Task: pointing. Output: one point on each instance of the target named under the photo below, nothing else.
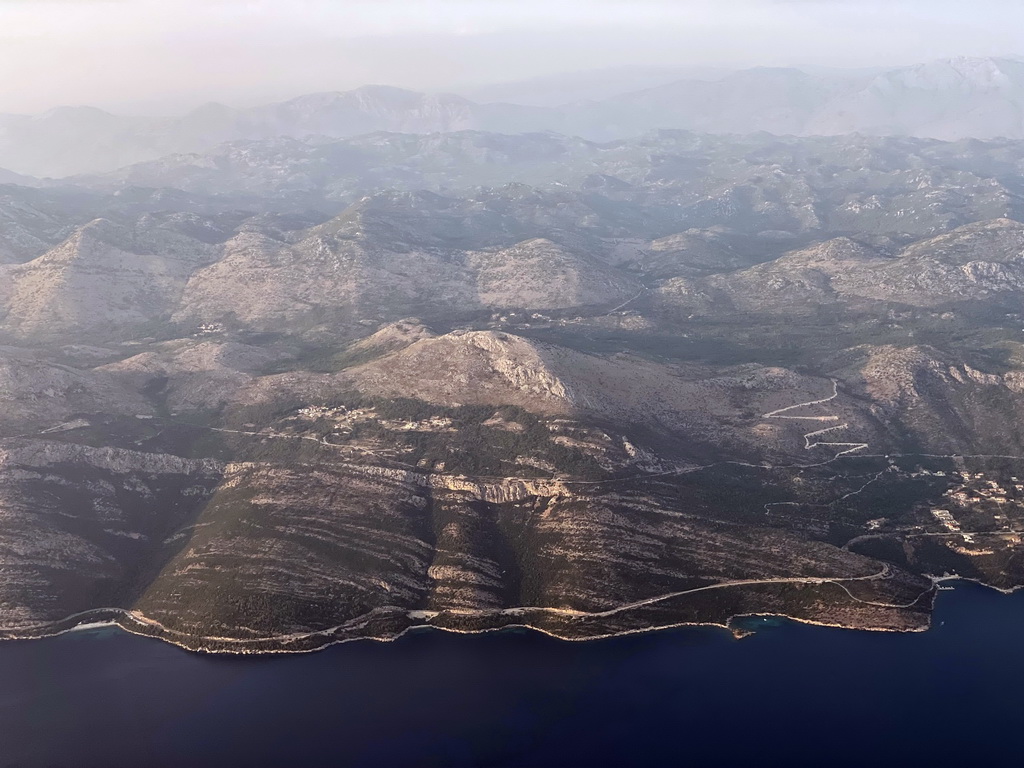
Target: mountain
(26, 231)
(74, 140)
(780, 101)
(978, 98)
(294, 391)
(601, 220)
(103, 277)
(951, 99)
(71, 139)
(662, 182)
(543, 275)
(979, 262)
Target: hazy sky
(169, 55)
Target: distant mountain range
(590, 85)
(950, 99)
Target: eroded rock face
(474, 366)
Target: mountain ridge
(946, 99)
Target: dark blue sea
(790, 695)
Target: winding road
(848, 447)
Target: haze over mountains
(290, 391)
(357, 362)
(949, 99)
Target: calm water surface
(791, 695)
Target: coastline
(135, 623)
(334, 708)
(942, 579)
(215, 651)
